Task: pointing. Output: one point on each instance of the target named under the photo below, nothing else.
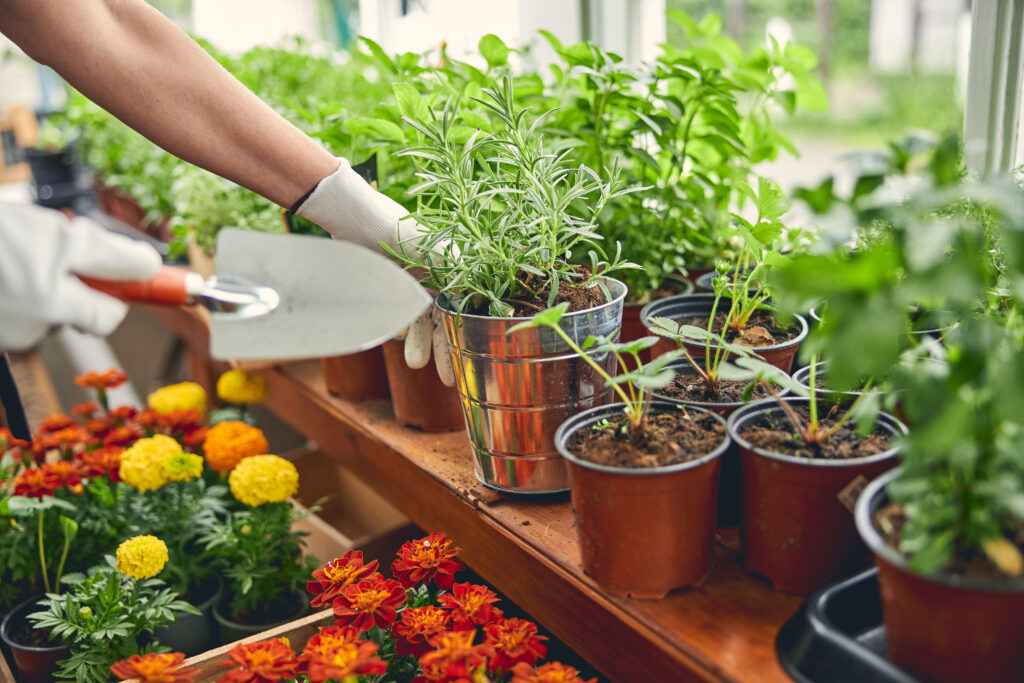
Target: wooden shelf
(526, 546)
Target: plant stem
(42, 554)
(60, 566)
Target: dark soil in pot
(961, 624)
(285, 607)
(357, 376)
(645, 506)
(579, 298)
(419, 397)
(35, 655)
(194, 633)
(794, 528)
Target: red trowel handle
(168, 286)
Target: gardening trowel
(288, 296)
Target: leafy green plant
(499, 211)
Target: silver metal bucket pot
(516, 389)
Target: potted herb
(502, 218)
(639, 463)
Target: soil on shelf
(667, 439)
(775, 434)
(761, 329)
(691, 387)
(889, 520)
(283, 607)
(579, 298)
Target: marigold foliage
(142, 465)
(242, 388)
(263, 479)
(228, 443)
(153, 667)
(141, 557)
(175, 397)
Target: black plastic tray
(838, 637)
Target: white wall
(237, 25)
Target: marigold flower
(99, 427)
(228, 443)
(55, 423)
(36, 482)
(428, 558)
(66, 438)
(263, 479)
(183, 396)
(85, 409)
(193, 440)
(416, 626)
(332, 577)
(552, 672)
(368, 603)
(514, 640)
(471, 604)
(102, 461)
(180, 421)
(242, 388)
(67, 471)
(183, 467)
(142, 465)
(141, 557)
(269, 660)
(336, 653)
(454, 658)
(154, 667)
(122, 436)
(147, 418)
(8, 441)
(100, 381)
(124, 413)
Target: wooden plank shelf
(527, 546)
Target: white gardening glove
(40, 253)
(349, 209)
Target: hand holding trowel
(288, 296)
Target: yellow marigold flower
(175, 397)
(263, 479)
(141, 557)
(242, 388)
(183, 467)
(142, 465)
(228, 443)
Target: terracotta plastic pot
(633, 328)
(794, 530)
(803, 378)
(643, 532)
(357, 376)
(194, 633)
(944, 627)
(31, 664)
(689, 305)
(419, 397)
(231, 630)
(516, 389)
(729, 481)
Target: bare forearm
(132, 61)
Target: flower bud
(85, 612)
(246, 530)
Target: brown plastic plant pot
(729, 481)
(419, 397)
(357, 376)
(794, 530)
(643, 532)
(688, 305)
(943, 627)
(31, 664)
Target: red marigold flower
(428, 558)
(85, 409)
(369, 602)
(514, 640)
(147, 418)
(36, 482)
(454, 658)
(122, 436)
(471, 604)
(263, 662)
(124, 413)
(194, 439)
(180, 421)
(154, 668)
(65, 438)
(108, 379)
(99, 426)
(332, 577)
(336, 653)
(8, 441)
(67, 471)
(55, 423)
(416, 626)
(552, 672)
(102, 461)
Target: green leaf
(69, 527)
(493, 50)
(411, 103)
(376, 128)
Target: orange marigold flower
(85, 409)
(336, 653)
(100, 381)
(514, 641)
(370, 602)
(416, 626)
(65, 438)
(124, 413)
(428, 558)
(36, 482)
(155, 667)
(102, 461)
(228, 443)
(67, 471)
(99, 426)
(471, 604)
(8, 441)
(454, 658)
(122, 436)
(552, 672)
(332, 577)
(55, 423)
(178, 421)
(147, 418)
(263, 662)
